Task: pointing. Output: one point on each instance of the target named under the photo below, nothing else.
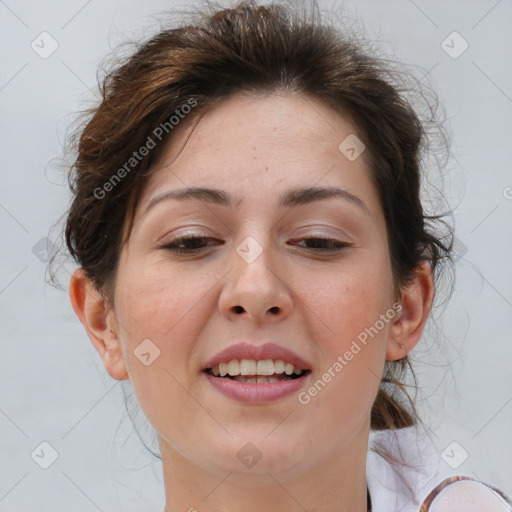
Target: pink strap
(468, 494)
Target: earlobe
(91, 309)
(406, 329)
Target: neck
(337, 484)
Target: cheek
(350, 299)
(158, 300)
(352, 336)
(159, 306)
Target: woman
(254, 257)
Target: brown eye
(325, 244)
(187, 244)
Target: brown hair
(255, 49)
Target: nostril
(239, 309)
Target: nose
(256, 289)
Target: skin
(313, 455)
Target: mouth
(257, 374)
(252, 371)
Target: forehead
(260, 144)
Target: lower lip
(259, 392)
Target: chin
(260, 456)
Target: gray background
(53, 387)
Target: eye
(193, 244)
(187, 244)
(325, 244)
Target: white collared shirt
(434, 486)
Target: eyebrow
(290, 198)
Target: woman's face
(258, 275)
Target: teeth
(250, 367)
(279, 366)
(234, 368)
(223, 369)
(265, 367)
(247, 367)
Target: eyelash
(336, 245)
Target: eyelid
(186, 232)
(326, 231)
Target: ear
(408, 325)
(99, 322)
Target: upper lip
(248, 350)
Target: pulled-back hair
(257, 50)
